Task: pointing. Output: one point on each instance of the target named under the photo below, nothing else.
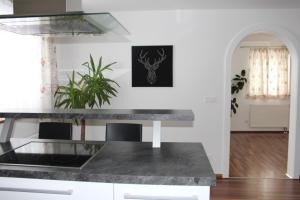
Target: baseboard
(219, 176)
(259, 132)
(288, 175)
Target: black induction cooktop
(51, 154)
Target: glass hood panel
(62, 24)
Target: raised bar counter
(156, 115)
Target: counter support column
(7, 129)
(156, 134)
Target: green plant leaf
(100, 63)
(236, 79)
(243, 72)
(92, 64)
(234, 110)
(240, 85)
(107, 67)
(86, 64)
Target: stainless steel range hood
(57, 18)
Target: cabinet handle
(143, 197)
(42, 191)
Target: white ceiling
(258, 37)
(261, 39)
(119, 5)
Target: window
(20, 71)
(20, 68)
(269, 72)
(28, 68)
(6, 7)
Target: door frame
(293, 164)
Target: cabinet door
(160, 192)
(34, 189)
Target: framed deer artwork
(152, 66)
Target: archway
(293, 47)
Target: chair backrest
(124, 132)
(55, 130)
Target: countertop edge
(108, 178)
(108, 114)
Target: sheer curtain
(268, 72)
(48, 72)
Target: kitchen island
(120, 170)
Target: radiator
(269, 116)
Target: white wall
(241, 120)
(200, 39)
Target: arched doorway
(292, 45)
(260, 108)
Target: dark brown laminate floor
(256, 189)
(258, 155)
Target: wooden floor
(258, 155)
(256, 189)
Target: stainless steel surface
(30, 7)
(59, 18)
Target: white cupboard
(36, 189)
(160, 192)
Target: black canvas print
(152, 66)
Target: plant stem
(82, 135)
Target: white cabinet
(160, 192)
(37, 189)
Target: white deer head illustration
(151, 76)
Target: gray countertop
(129, 162)
(107, 114)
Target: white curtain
(268, 72)
(49, 72)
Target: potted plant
(91, 89)
(237, 84)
